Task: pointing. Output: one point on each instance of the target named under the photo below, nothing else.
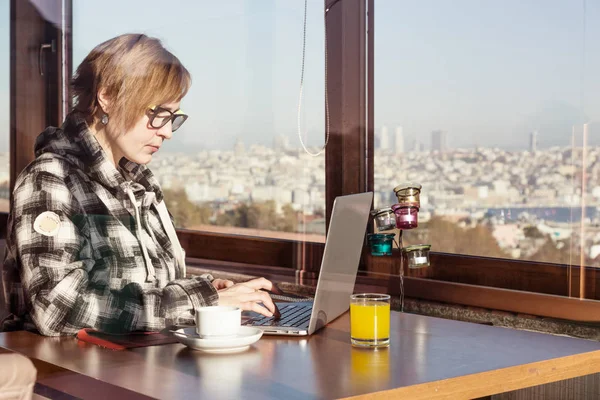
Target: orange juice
(370, 321)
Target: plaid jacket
(88, 248)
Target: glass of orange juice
(370, 320)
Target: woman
(90, 241)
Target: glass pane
(237, 165)
(487, 104)
(4, 105)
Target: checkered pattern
(92, 273)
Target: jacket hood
(78, 145)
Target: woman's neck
(105, 142)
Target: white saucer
(242, 341)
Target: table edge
(504, 379)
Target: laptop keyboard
(295, 315)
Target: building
(281, 142)
(239, 148)
(533, 142)
(417, 146)
(399, 140)
(438, 141)
(384, 139)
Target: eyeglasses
(160, 116)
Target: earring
(104, 119)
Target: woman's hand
(222, 283)
(249, 296)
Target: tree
(260, 216)
(446, 236)
(288, 222)
(559, 253)
(235, 217)
(185, 213)
(533, 232)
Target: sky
(244, 56)
(487, 72)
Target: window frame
(349, 161)
(32, 95)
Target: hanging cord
(573, 147)
(302, 82)
(399, 245)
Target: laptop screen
(345, 239)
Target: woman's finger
(264, 298)
(239, 288)
(222, 283)
(259, 283)
(257, 308)
(275, 289)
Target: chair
(17, 373)
(17, 377)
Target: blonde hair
(135, 71)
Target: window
(4, 105)
(367, 93)
(237, 166)
(493, 108)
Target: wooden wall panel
(34, 75)
(28, 116)
(345, 159)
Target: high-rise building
(238, 148)
(399, 140)
(281, 142)
(417, 146)
(533, 142)
(384, 139)
(438, 140)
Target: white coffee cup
(218, 321)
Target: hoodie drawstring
(149, 267)
(170, 229)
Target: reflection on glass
(485, 106)
(237, 164)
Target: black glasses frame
(177, 115)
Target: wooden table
(429, 358)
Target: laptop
(339, 267)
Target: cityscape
(529, 202)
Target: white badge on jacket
(47, 223)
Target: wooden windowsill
(516, 301)
(465, 308)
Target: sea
(553, 214)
